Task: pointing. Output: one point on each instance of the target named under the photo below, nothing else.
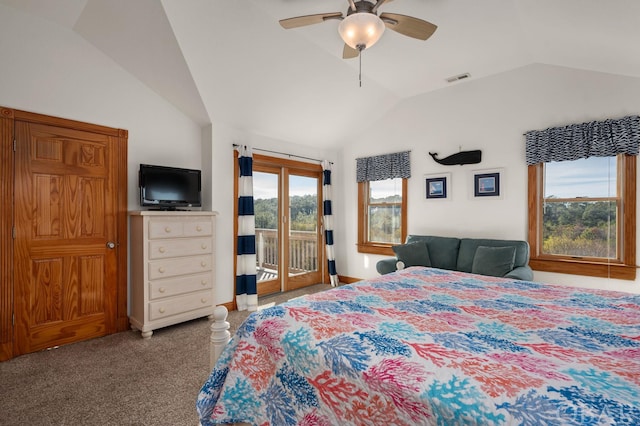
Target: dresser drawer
(159, 228)
(180, 304)
(174, 286)
(179, 266)
(194, 228)
(161, 249)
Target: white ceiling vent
(458, 77)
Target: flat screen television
(169, 188)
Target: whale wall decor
(462, 157)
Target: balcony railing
(303, 252)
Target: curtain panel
(381, 167)
(593, 139)
(246, 282)
(328, 222)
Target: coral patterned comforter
(425, 346)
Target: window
(582, 216)
(382, 215)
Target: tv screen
(169, 188)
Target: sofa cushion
(468, 247)
(413, 254)
(493, 261)
(443, 251)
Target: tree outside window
(382, 215)
(580, 208)
(582, 216)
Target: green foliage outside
(581, 228)
(304, 213)
(304, 217)
(385, 220)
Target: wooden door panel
(65, 210)
(45, 290)
(6, 233)
(51, 300)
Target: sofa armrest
(386, 266)
(524, 273)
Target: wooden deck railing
(303, 250)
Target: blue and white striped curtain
(328, 222)
(246, 283)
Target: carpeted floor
(119, 379)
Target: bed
(425, 346)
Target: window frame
(625, 267)
(366, 246)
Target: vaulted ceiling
(229, 61)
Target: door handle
(111, 245)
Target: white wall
(222, 139)
(50, 70)
(490, 114)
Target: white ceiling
(230, 61)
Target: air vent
(458, 77)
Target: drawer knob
(167, 229)
(203, 300)
(203, 282)
(161, 270)
(203, 263)
(161, 290)
(198, 228)
(161, 310)
(161, 250)
(204, 246)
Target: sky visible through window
(265, 185)
(381, 189)
(587, 177)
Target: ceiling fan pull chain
(360, 71)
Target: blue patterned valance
(595, 139)
(380, 167)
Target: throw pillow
(493, 261)
(413, 254)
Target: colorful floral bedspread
(425, 346)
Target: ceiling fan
(361, 28)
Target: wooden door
(66, 271)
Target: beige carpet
(120, 379)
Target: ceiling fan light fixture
(361, 30)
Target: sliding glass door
(289, 250)
(302, 237)
(266, 195)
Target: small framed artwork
(487, 184)
(437, 186)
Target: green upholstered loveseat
(504, 258)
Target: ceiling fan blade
(349, 53)
(379, 3)
(301, 21)
(408, 25)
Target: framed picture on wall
(437, 186)
(487, 183)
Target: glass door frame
(312, 277)
(273, 285)
(288, 167)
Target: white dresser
(172, 268)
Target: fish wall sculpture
(462, 157)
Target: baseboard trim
(231, 306)
(348, 280)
